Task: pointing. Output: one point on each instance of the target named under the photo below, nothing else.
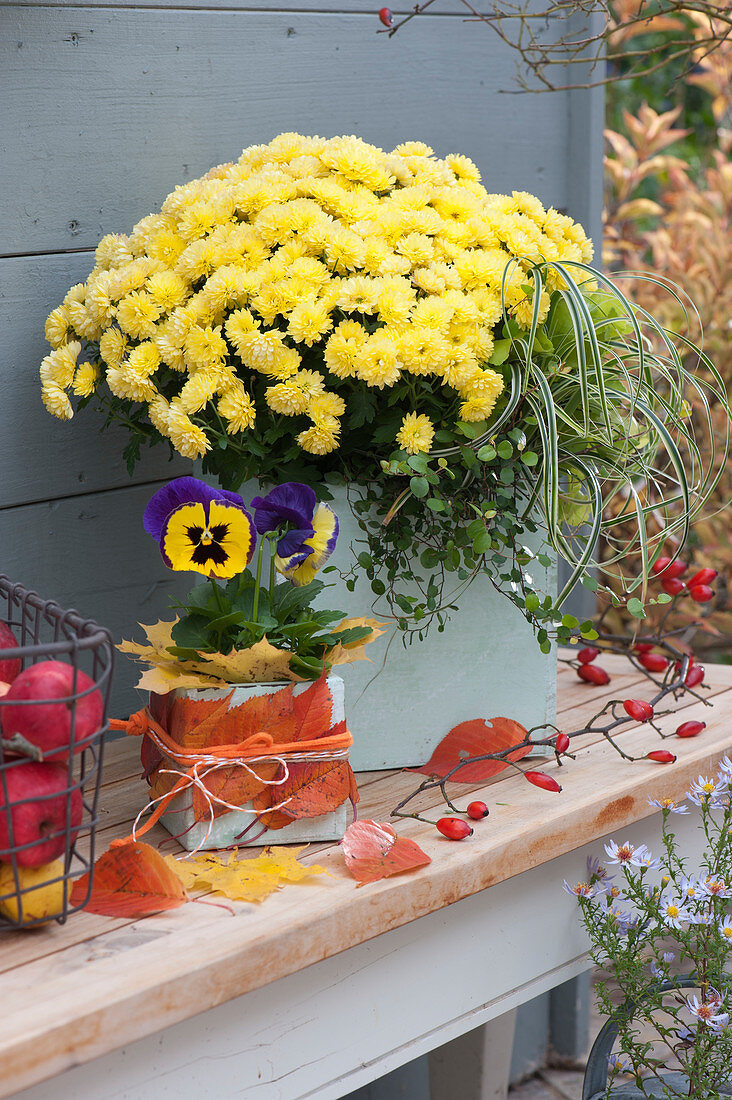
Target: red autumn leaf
(476, 738)
(130, 880)
(373, 851)
(185, 715)
(314, 711)
(313, 788)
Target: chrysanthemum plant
(322, 311)
(660, 928)
(246, 629)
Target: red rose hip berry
(476, 811)
(386, 17)
(593, 674)
(694, 676)
(638, 709)
(661, 756)
(541, 779)
(454, 828)
(704, 576)
(701, 593)
(562, 742)
(588, 654)
(654, 662)
(690, 729)
(39, 707)
(672, 586)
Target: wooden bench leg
(475, 1066)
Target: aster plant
(209, 530)
(323, 311)
(661, 928)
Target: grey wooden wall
(104, 107)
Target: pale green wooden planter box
(486, 664)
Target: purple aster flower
(200, 529)
(307, 530)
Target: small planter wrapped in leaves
(245, 738)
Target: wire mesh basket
(49, 787)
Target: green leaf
(418, 463)
(663, 597)
(420, 486)
(487, 453)
(436, 505)
(505, 449)
(570, 621)
(532, 602)
(635, 607)
(501, 352)
(482, 543)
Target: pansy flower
(201, 529)
(307, 530)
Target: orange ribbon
(257, 745)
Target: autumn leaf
(477, 737)
(313, 788)
(373, 851)
(260, 662)
(346, 654)
(130, 880)
(244, 879)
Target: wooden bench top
(69, 994)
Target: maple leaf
(244, 879)
(130, 880)
(476, 738)
(373, 851)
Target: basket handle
(596, 1072)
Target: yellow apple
(41, 897)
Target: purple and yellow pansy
(201, 529)
(308, 530)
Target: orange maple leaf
(476, 738)
(373, 851)
(130, 880)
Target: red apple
(9, 669)
(47, 721)
(37, 807)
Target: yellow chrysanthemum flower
(321, 439)
(205, 347)
(56, 401)
(324, 405)
(308, 322)
(137, 314)
(287, 398)
(189, 440)
(416, 434)
(59, 367)
(380, 363)
(86, 378)
(57, 327)
(237, 408)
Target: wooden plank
(254, 74)
(98, 1004)
(49, 458)
(124, 793)
(91, 553)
